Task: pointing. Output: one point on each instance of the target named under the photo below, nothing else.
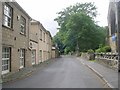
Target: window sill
(22, 34)
(8, 27)
(41, 39)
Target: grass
(93, 60)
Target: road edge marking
(98, 74)
(101, 76)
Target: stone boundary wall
(108, 59)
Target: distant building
(34, 42)
(113, 16)
(55, 52)
(41, 42)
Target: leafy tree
(64, 15)
(57, 40)
(78, 30)
(83, 30)
(87, 8)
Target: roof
(49, 34)
(20, 8)
(33, 21)
(53, 48)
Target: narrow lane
(66, 72)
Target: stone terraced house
(15, 37)
(42, 45)
(24, 42)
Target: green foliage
(103, 49)
(107, 48)
(78, 31)
(93, 60)
(67, 50)
(87, 8)
(57, 40)
(90, 51)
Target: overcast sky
(45, 11)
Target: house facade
(55, 52)
(49, 45)
(24, 42)
(15, 37)
(44, 39)
(45, 44)
(113, 24)
(34, 42)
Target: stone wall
(108, 59)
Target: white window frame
(33, 56)
(22, 58)
(40, 56)
(7, 16)
(6, 58)
(23, 25)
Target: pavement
(109, 76)
(65, 72)
(25, 72)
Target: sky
(45, 11)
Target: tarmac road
(66, 72)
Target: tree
(57, 40)
(64, 15)
(82, 29)
(87, 8)
(78, 30)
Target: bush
(98, 50)
(67, 50)
(103, 49)
(107, 48)
(90, 51)
(80, 53)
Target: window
(40, 55)
(33, 56)
(5, 60)
(23, 25)
(7, 16)
(44, 37)
(40, 34)
(22, 58)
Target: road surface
(65, 72)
